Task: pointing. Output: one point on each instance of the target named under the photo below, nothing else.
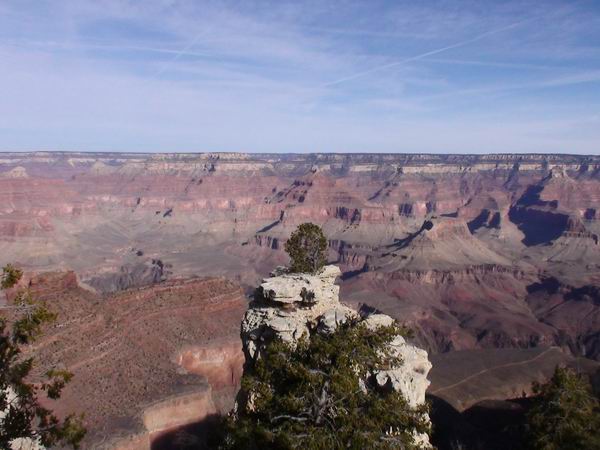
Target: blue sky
(311, 76)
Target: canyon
(492, 260)
(145, 361)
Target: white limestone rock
(333, 318)
(15, 172)
(288, 306)
(296, 288)
(374, 321)
(411, 377)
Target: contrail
(490, 64)
(424, 55)
(152, 50)
(90, 45)
(179, 54)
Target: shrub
(565, 415)
(319, 394)
(307, 248)
(23, 416)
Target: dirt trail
(481, 372)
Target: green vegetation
(566, 415)
(307, 247)
(24, 417)
(320, 395)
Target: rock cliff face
(146, 360)
(472, 251)
(286, 306)
(290, 306)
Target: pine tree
(565, 415)
(21, 414)
(307, 248)
(319, 394)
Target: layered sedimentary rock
(290, 306)
(145, 361)
(502, 226)
(473, 252)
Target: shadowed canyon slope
(145, 361)
(473, 251)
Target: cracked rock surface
(289, 306)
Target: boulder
(333, 318)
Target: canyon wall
(145, 361)
(475, 251)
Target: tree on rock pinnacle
(321, 394)
(307, 247)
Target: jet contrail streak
(424, 55)
(179, 54)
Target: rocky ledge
(289, 306)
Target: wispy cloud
(500, 64)
(178, 54)
(99, 46)
(571, 79)
(184, 75)
(426, 54)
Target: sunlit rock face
(286, 305)
(290, 306)
(145, 361)
(509, 258)
(500, 225)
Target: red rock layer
(130, 354)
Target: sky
(445, 76)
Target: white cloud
(185, 75)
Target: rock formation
(16, 172)
(276, 310)
(512, 260)
(145, 361)
(289, 306)
(501, 223)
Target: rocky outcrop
(290, 306)
(440, 244)
(286, 306)
(16, 172)
(411, 377)
(146, 360)
(129, 276)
